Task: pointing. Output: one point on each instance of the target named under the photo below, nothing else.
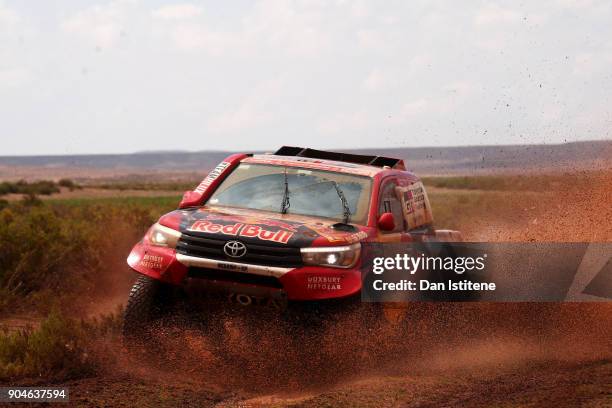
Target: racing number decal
(415, 205)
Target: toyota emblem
(235, 249)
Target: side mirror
(190, 199)
(386, 222)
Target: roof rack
(378, 161)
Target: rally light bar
(378, 161)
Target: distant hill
(153, 160)
(424, 160)
(505, 159)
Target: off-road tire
(145, 305)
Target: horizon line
(145, 152)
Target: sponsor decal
(151, 261)
(240, 229)
(333, 236)
(356, 237)
(415, 205)
(212, 176)
(324, 283)
(250, 220)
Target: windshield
(310, 192)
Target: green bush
(7, 188)
(67, 183)
(30, 200)
(148, 186)
(58, 248)
(43, 187)
(59, 349)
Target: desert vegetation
(43, 187)
(59, 348)
(51, 250)
(39, 187)
(147, 186)
(53, 255)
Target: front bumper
(195, 261)
(302, 283)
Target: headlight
(163, 236)
(337, 257)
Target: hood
(261, 227)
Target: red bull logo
(253, 220)
(242, 230)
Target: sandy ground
(540, 384)
(438, 355)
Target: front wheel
(147, 301)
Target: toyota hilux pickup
(283, 228)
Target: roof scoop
(377, 161)
(341, 226)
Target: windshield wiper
(285, 204)
(345, 205)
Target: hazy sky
(129, 75)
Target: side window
(388, 202)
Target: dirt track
(444, 355)
(538, 384)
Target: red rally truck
(284, 228)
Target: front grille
(234, 277)
(258, 253)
